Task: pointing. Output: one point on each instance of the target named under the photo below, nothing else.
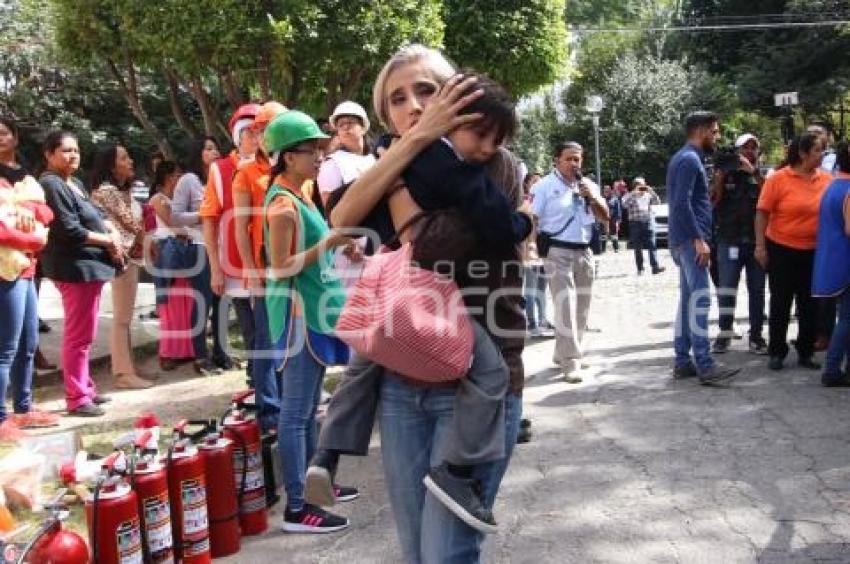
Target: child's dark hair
(495, 105)
(163, 170)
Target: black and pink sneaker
(312, 520)
(345, 493)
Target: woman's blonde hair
(435, 63)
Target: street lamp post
(594, 108)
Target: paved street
(631, 466)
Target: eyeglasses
(347, 123)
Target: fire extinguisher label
(158, 523)
(196, 548)
(194, 507)
(254, 478)
(129, 542)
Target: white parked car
(660, 215)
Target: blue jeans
(416, 425)
(534, 294)
(642, 238)
(18, 341)
(265, 378)
(727, 294)
(692, 314)
(839, 344)
(300, 389)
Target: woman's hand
(761, 257)
(25, 220)
(337, 238)
(441, 114)
(217, 281)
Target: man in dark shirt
(615, 214)
(689, 233)
(735, 194)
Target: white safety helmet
(349, 108)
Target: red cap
(146, 421)
(68, 473)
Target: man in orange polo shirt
(249, 191)
(219, 228)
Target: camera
(726, 159)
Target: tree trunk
(129, 88)
(200, 95)
(263, 79)
(295, 87)
(232, 91)
(173, 83)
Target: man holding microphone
(566, 206)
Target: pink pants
(175, 322)
(80, 302)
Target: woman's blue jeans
(18, 341)
(300, 389)
(416, 424)
(839, 344)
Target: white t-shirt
(342, 167)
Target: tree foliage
(522, 44)
(811, 61)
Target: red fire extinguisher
(187, 492)
(113, 518)
(53, 544)
(247, 466)
(217, 454)
(148, 480)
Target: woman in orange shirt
(786, 234)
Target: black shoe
(686, 371)
(319, 483)
(721, 345)
(776, 363)
(524, 436)
(100, 400)
(87, 410)
(345, 493)
(659, 270)
(462, 497)
(524, 423)
(717, 374)
(808, 363)
(758, 345)
(43, 326)
(312, 520)
(227, 363)
(836, 380)
(207, 368)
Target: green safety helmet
(289, 129)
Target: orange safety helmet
(245, 111)
(267, 113)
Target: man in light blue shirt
(566, 206)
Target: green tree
(522, 44)
(761, 63)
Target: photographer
(639, 204)
(735, 193)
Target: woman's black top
(67, 257)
